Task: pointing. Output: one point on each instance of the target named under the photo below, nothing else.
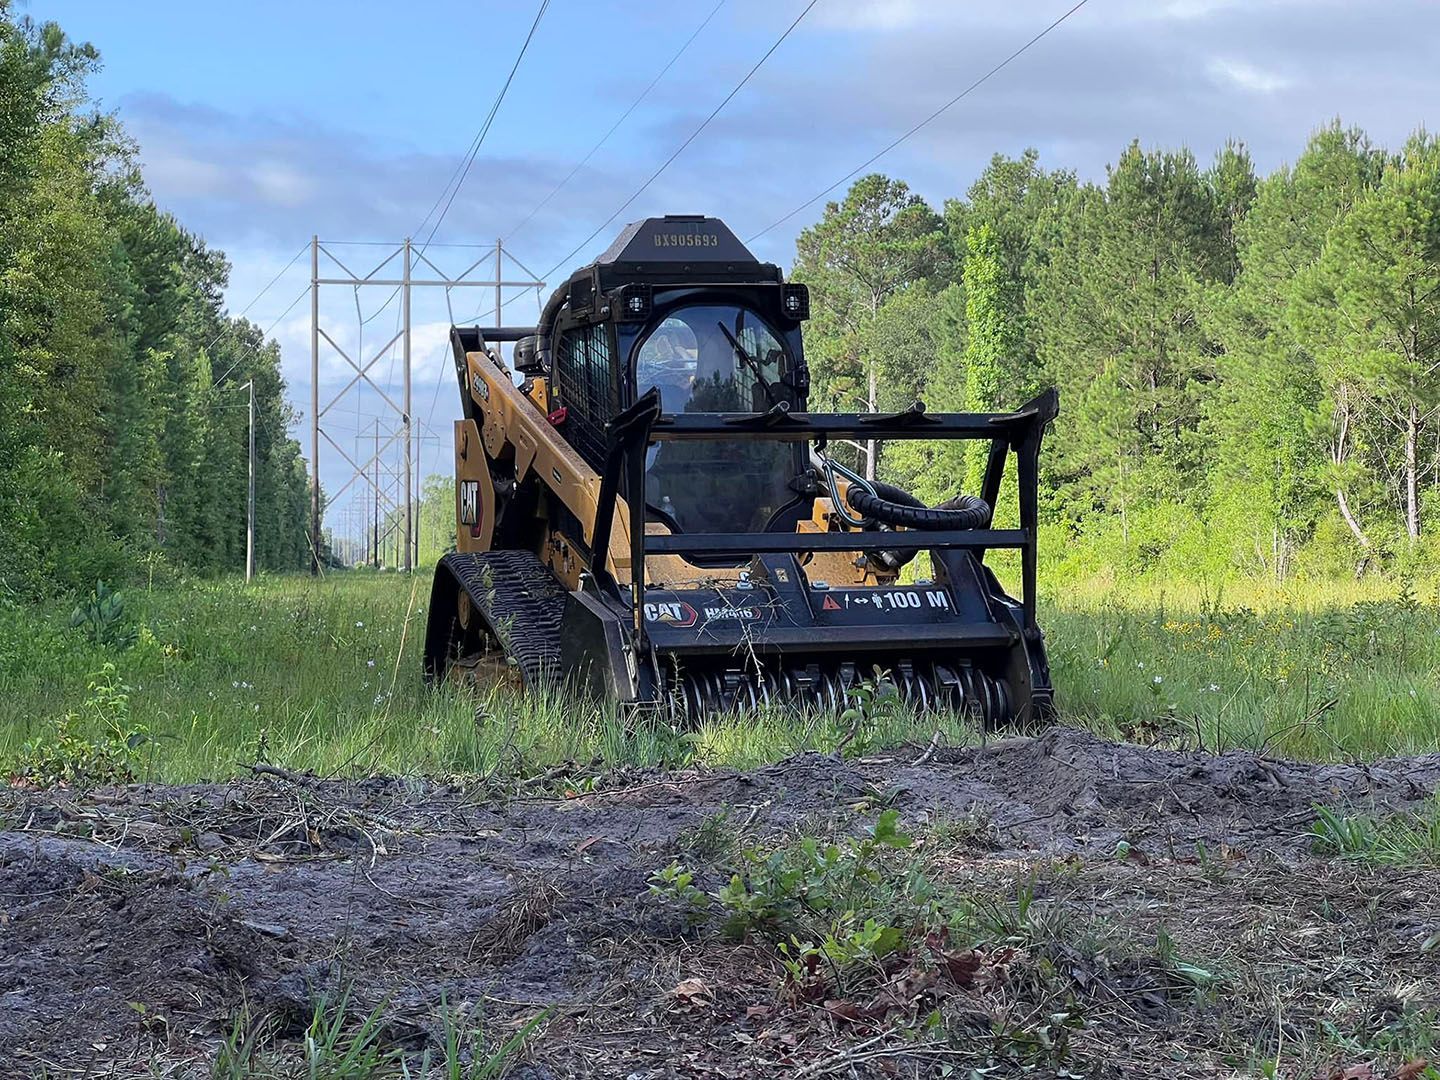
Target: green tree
(880, 240)
(114, 442)
(1280, 443)
(1115, 314)
(1370, 310)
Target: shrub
(72, 758)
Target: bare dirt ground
(135, 922)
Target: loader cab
(678, 304)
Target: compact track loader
(646, 509)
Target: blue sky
(264, 122)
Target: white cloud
(279, 183)
(1247, 76)
(181, 174)
(873, 14)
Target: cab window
(724, 359)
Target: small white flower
(257, 707)
(235, 685)
(253, 628)
(359, 626)
(1158, 680)
(369, 663)
(1214, 688)
(379, 698)
(1140, 664)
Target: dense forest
(123, 428)
(1249, 367)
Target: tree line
(1249, 367)
(123, 428)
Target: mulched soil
(136, 922)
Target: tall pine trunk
(1412, 472)
(1339, 453)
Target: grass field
(200, 679)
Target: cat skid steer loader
(647, 511)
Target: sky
(262, 124)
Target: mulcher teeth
(697, 692)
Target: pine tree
(880, 240)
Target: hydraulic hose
(894, 506)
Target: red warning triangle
(829, 604)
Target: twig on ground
(929, 750)
(261, 769)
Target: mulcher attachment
(775, 636)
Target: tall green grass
(324, 675)
(1324, 671)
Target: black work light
(795, 301)
(634, 303)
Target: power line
(615, 126)
(462, 170)
(681, 148)
(252, 350)
(957, 98)
(479, 139)
(230, 326)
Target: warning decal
(920, 600)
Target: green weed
(101, 617)
(340, 1044)
(71, 759)
(677, 885)
(1388, 840)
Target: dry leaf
(961, 967)
(1412, 1070)
(843, 1012)
(692, 993)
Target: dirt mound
(135, 922)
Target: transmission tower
(409, 257)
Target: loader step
(521, 603)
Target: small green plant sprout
(828, 908)
(676, 884)
(1184, 972)
(715, 835)
(339, 1048)
(101, 617)
(468, 1050)
(869, 703)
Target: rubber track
(521, 602)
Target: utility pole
(250, 498)
(315, 405)
(375, 505)
(405, 563)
